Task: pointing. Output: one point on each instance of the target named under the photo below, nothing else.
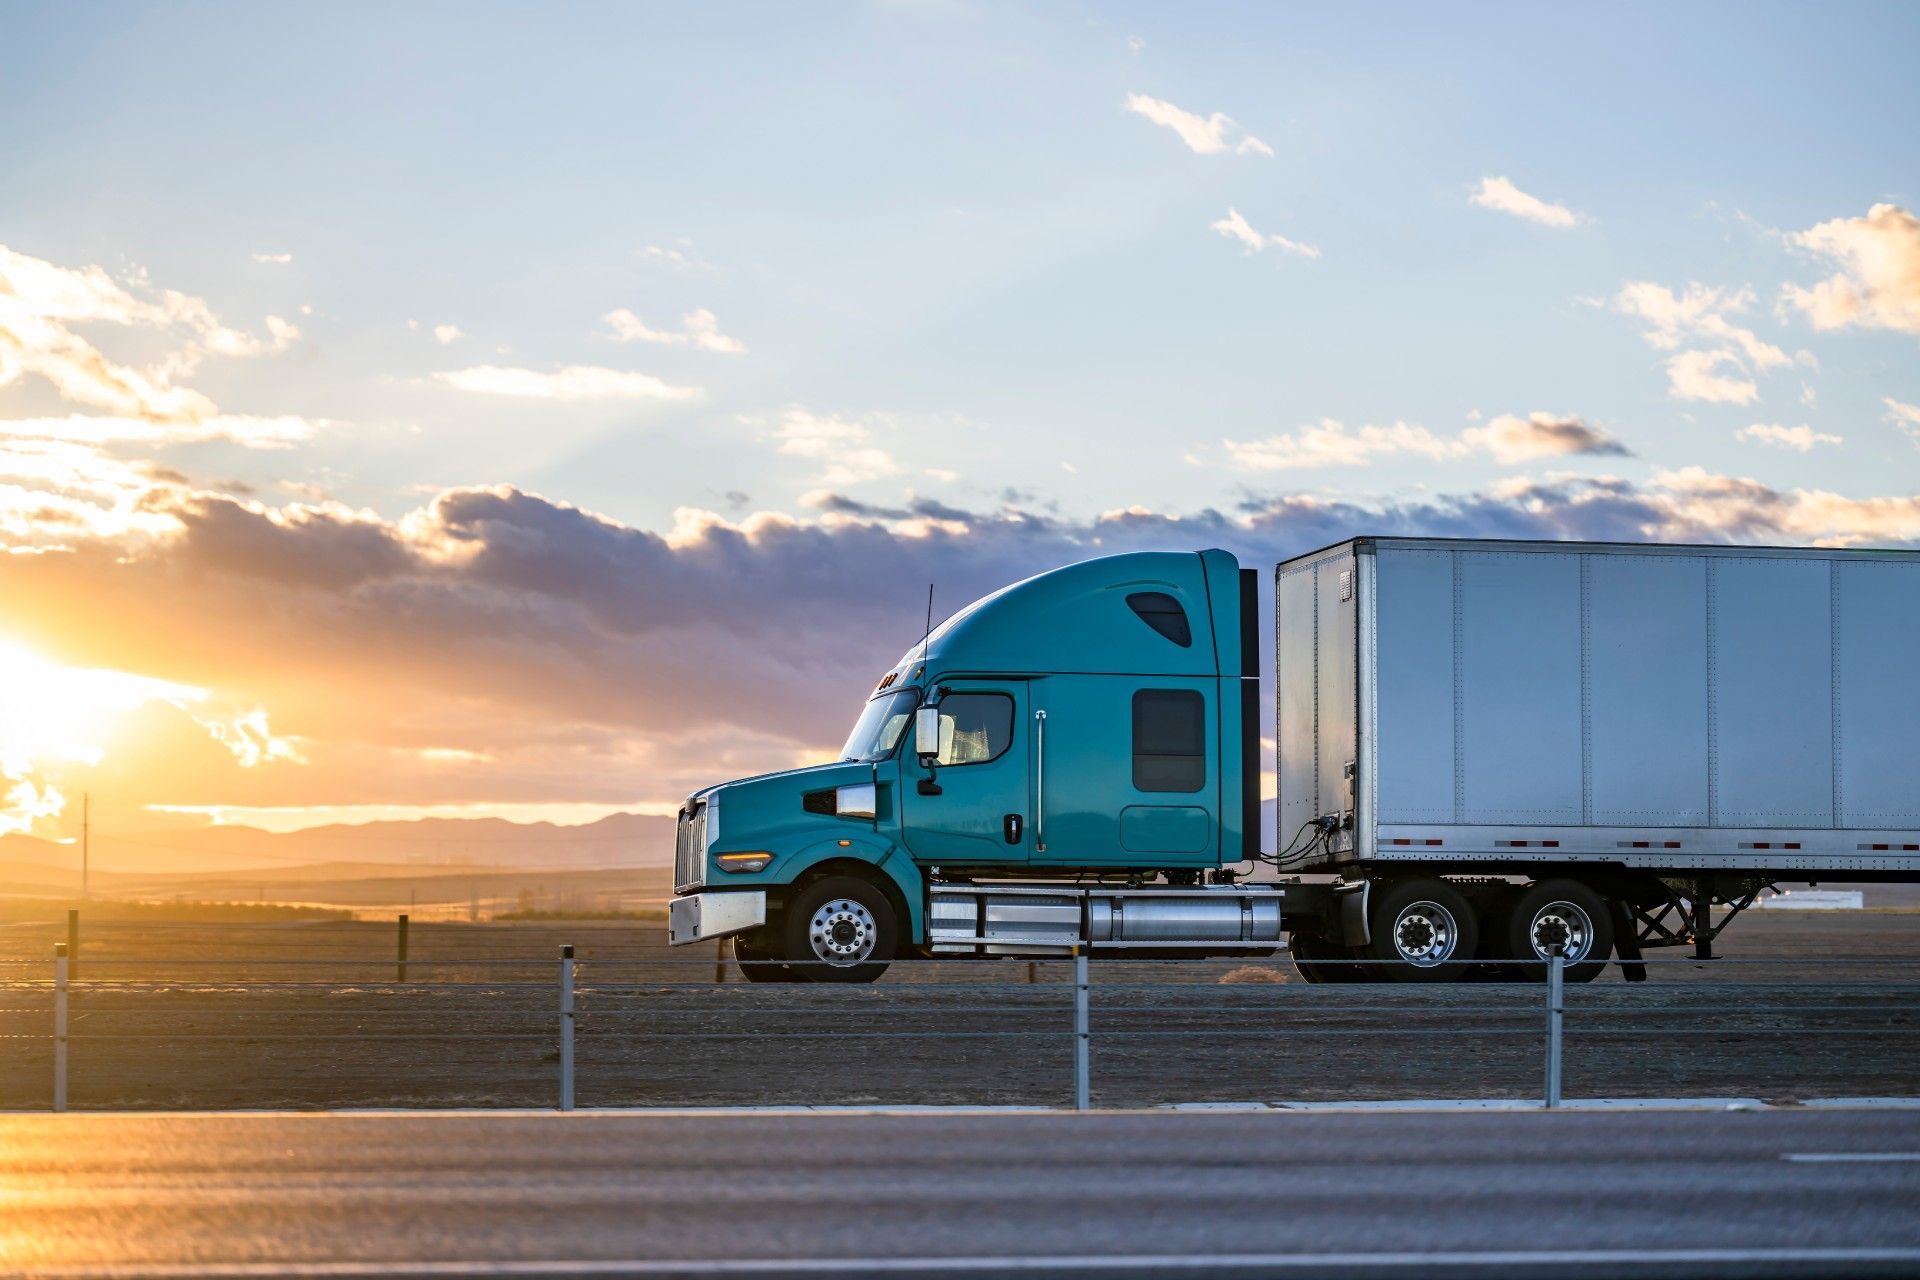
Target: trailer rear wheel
(1564, 913)
(1427, 930)
(840, 929)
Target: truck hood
(795, 782)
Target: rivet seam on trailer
(1713, 706)
(1833, 658)
(1586, 690)
(1459, 694)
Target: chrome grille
(689, 868)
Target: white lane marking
(1853, 1157)
(1095, 1262)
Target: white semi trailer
(1498, 746)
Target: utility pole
(86, 805)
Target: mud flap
(1626, 942)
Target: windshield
(878, 730)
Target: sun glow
(53, 715)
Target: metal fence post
(1082, 1093)
(59, 1026)
(1556, 1009)
(566, 1028)
(720, 960)
(400, 960)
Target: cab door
(980, 812)
(1126, 771)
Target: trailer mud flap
(1626, 942)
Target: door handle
(1010, 827)
(1040, 781)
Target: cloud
(1801, 438)
(1508, 439)
(40, 302)
(447, 334)
(1905, 416)
(1236, 227)
(599, 662)
(1720, 357)
(1501, 195)
(573, 382)
(1135, 45)
(1878, 284)
(1541, 435)
(273, 259)
(1207, 135)
(241, 429)
(840, 443)
(699, 328)
(1695, 375)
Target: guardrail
(617, 998)
(605, 1004)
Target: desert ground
(309, 1014)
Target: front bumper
(698, 917)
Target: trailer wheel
(840, 929)
(757, 964)
(1426, 928)
(1570, 914)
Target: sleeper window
(1169, 740)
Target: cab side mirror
(926, 745)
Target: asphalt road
(934, 1194)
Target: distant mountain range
(618, 840)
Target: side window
(974, 727)
(1169, 740)
(1163, 613)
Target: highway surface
(1571, 1194)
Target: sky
(543, 411)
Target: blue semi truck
(1485, 751)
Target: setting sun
(53, 715)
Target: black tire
(1425, 928)
(1309, 952)
(757, 963)
(841, 929)
(1568, 912)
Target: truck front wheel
(757, 963)
(840, 929)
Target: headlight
(753, 860)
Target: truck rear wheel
(1311, 953)
(1566, 913)
(1426, 929)
(841, 929)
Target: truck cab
(1098, 723)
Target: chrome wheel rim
(1425, 934)
(1564, 923)
(842, 932)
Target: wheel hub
(842, 932)
(1563, 924)
(1425, 934)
